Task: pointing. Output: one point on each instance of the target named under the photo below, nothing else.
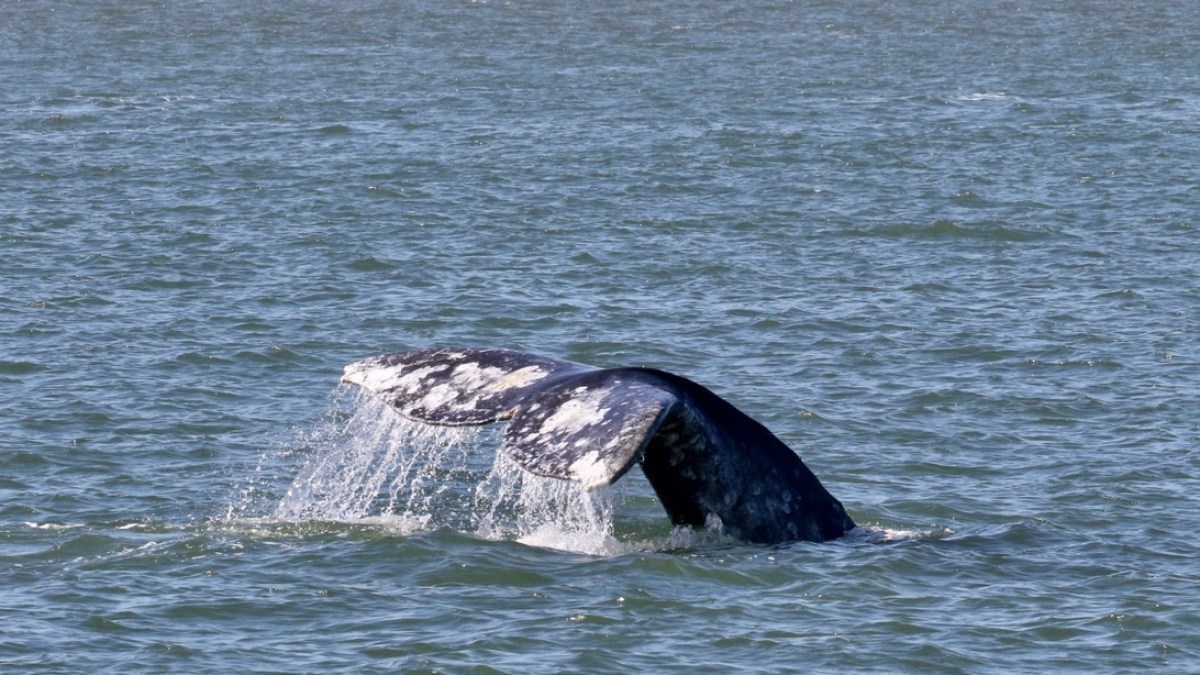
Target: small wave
(876, 534)
(984, 96)
(387, 524)
(550, 536)
(53, 526)
(19, 367)
(946, 229)
(370, 264)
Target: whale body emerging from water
(706, 460)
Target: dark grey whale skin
(707, 461)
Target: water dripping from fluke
(368, 466)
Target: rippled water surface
(946, 250)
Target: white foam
(52, 526)
(985, 96)
(876, 534)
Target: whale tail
(702, 456)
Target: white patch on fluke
(576, 413)
(591, 471)
(471, 376)
(440, 396)
(371, 376)
(521, 377)
(415, 378)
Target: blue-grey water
(947, 250)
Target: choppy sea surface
(947, 250)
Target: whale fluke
(703, 457)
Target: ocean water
(946, 250)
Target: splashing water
(369, 465)
(543, 511)
(377, 462)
